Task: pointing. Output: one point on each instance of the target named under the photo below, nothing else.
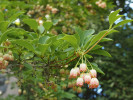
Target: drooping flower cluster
(101, 4)
(72, 83)
(84, 77)
(4, 58)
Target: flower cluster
(74, 87)
(84, 76)
(101, 4)
(4, 58)
(71, 84)
(38, 9)
(50, 8)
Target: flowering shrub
(41, 61)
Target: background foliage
(116, 84)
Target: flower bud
(62, 71)
(19, 91)
(79, 90)
(70, 85)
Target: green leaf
(101, 52)
(97, 47)
(68, 95)
(111, 31)
(86, 34)
(87, 41)
(83, 34)
(78, 38)
(28, 66)
(32, 23)
(4, 35)
(15, 16)
(71, 39)
(122, 23)
(24, 43)
(3, 26)
(88, 56)
(100, 35)
(106, 39)
(3, 47)
(113, 16)
(1, 16)
(47, 25)
(13, 31)
(43, 39)
(97, 37)
(95, 66)
(43, 48)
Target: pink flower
(78, 71)
(87, 78)
(83, 67)
(93, 73)
(80, 82)
(73, 73)
(94, 83)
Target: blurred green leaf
(24, 43)
(28, 66)
(101, 52)
(32, 23)
(15, 16)
(43, 39)
(43, 48)
(1, 16)
(106, 39)
(3, 26)
(122, 23)
(96, 47)
(95, 66)
(113, 16)
(47, 25)
(71, 39)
